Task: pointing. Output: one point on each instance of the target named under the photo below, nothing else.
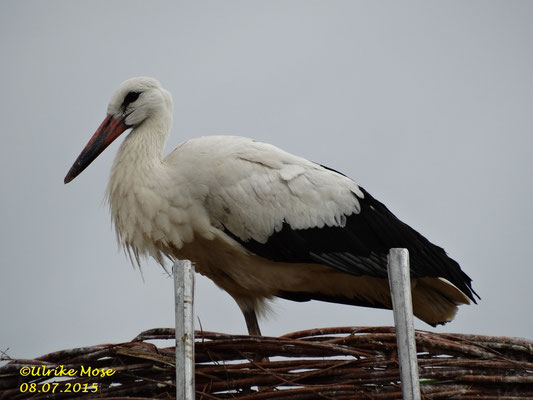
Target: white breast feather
(219, 182)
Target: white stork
(259, 222)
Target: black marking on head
(131, 97)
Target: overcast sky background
(428, 105)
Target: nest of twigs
(330, 363)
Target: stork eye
(131, 97)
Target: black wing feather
(361, 247)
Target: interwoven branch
(329, 363)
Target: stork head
(134, 102)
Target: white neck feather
(136, 186)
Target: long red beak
(108, 131)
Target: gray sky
(428, 105)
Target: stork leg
(253, 330)
(251, 322)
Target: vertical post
(400, 285)
(183, 272)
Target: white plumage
(258, 221)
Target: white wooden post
(400, 285)
(183, 272)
